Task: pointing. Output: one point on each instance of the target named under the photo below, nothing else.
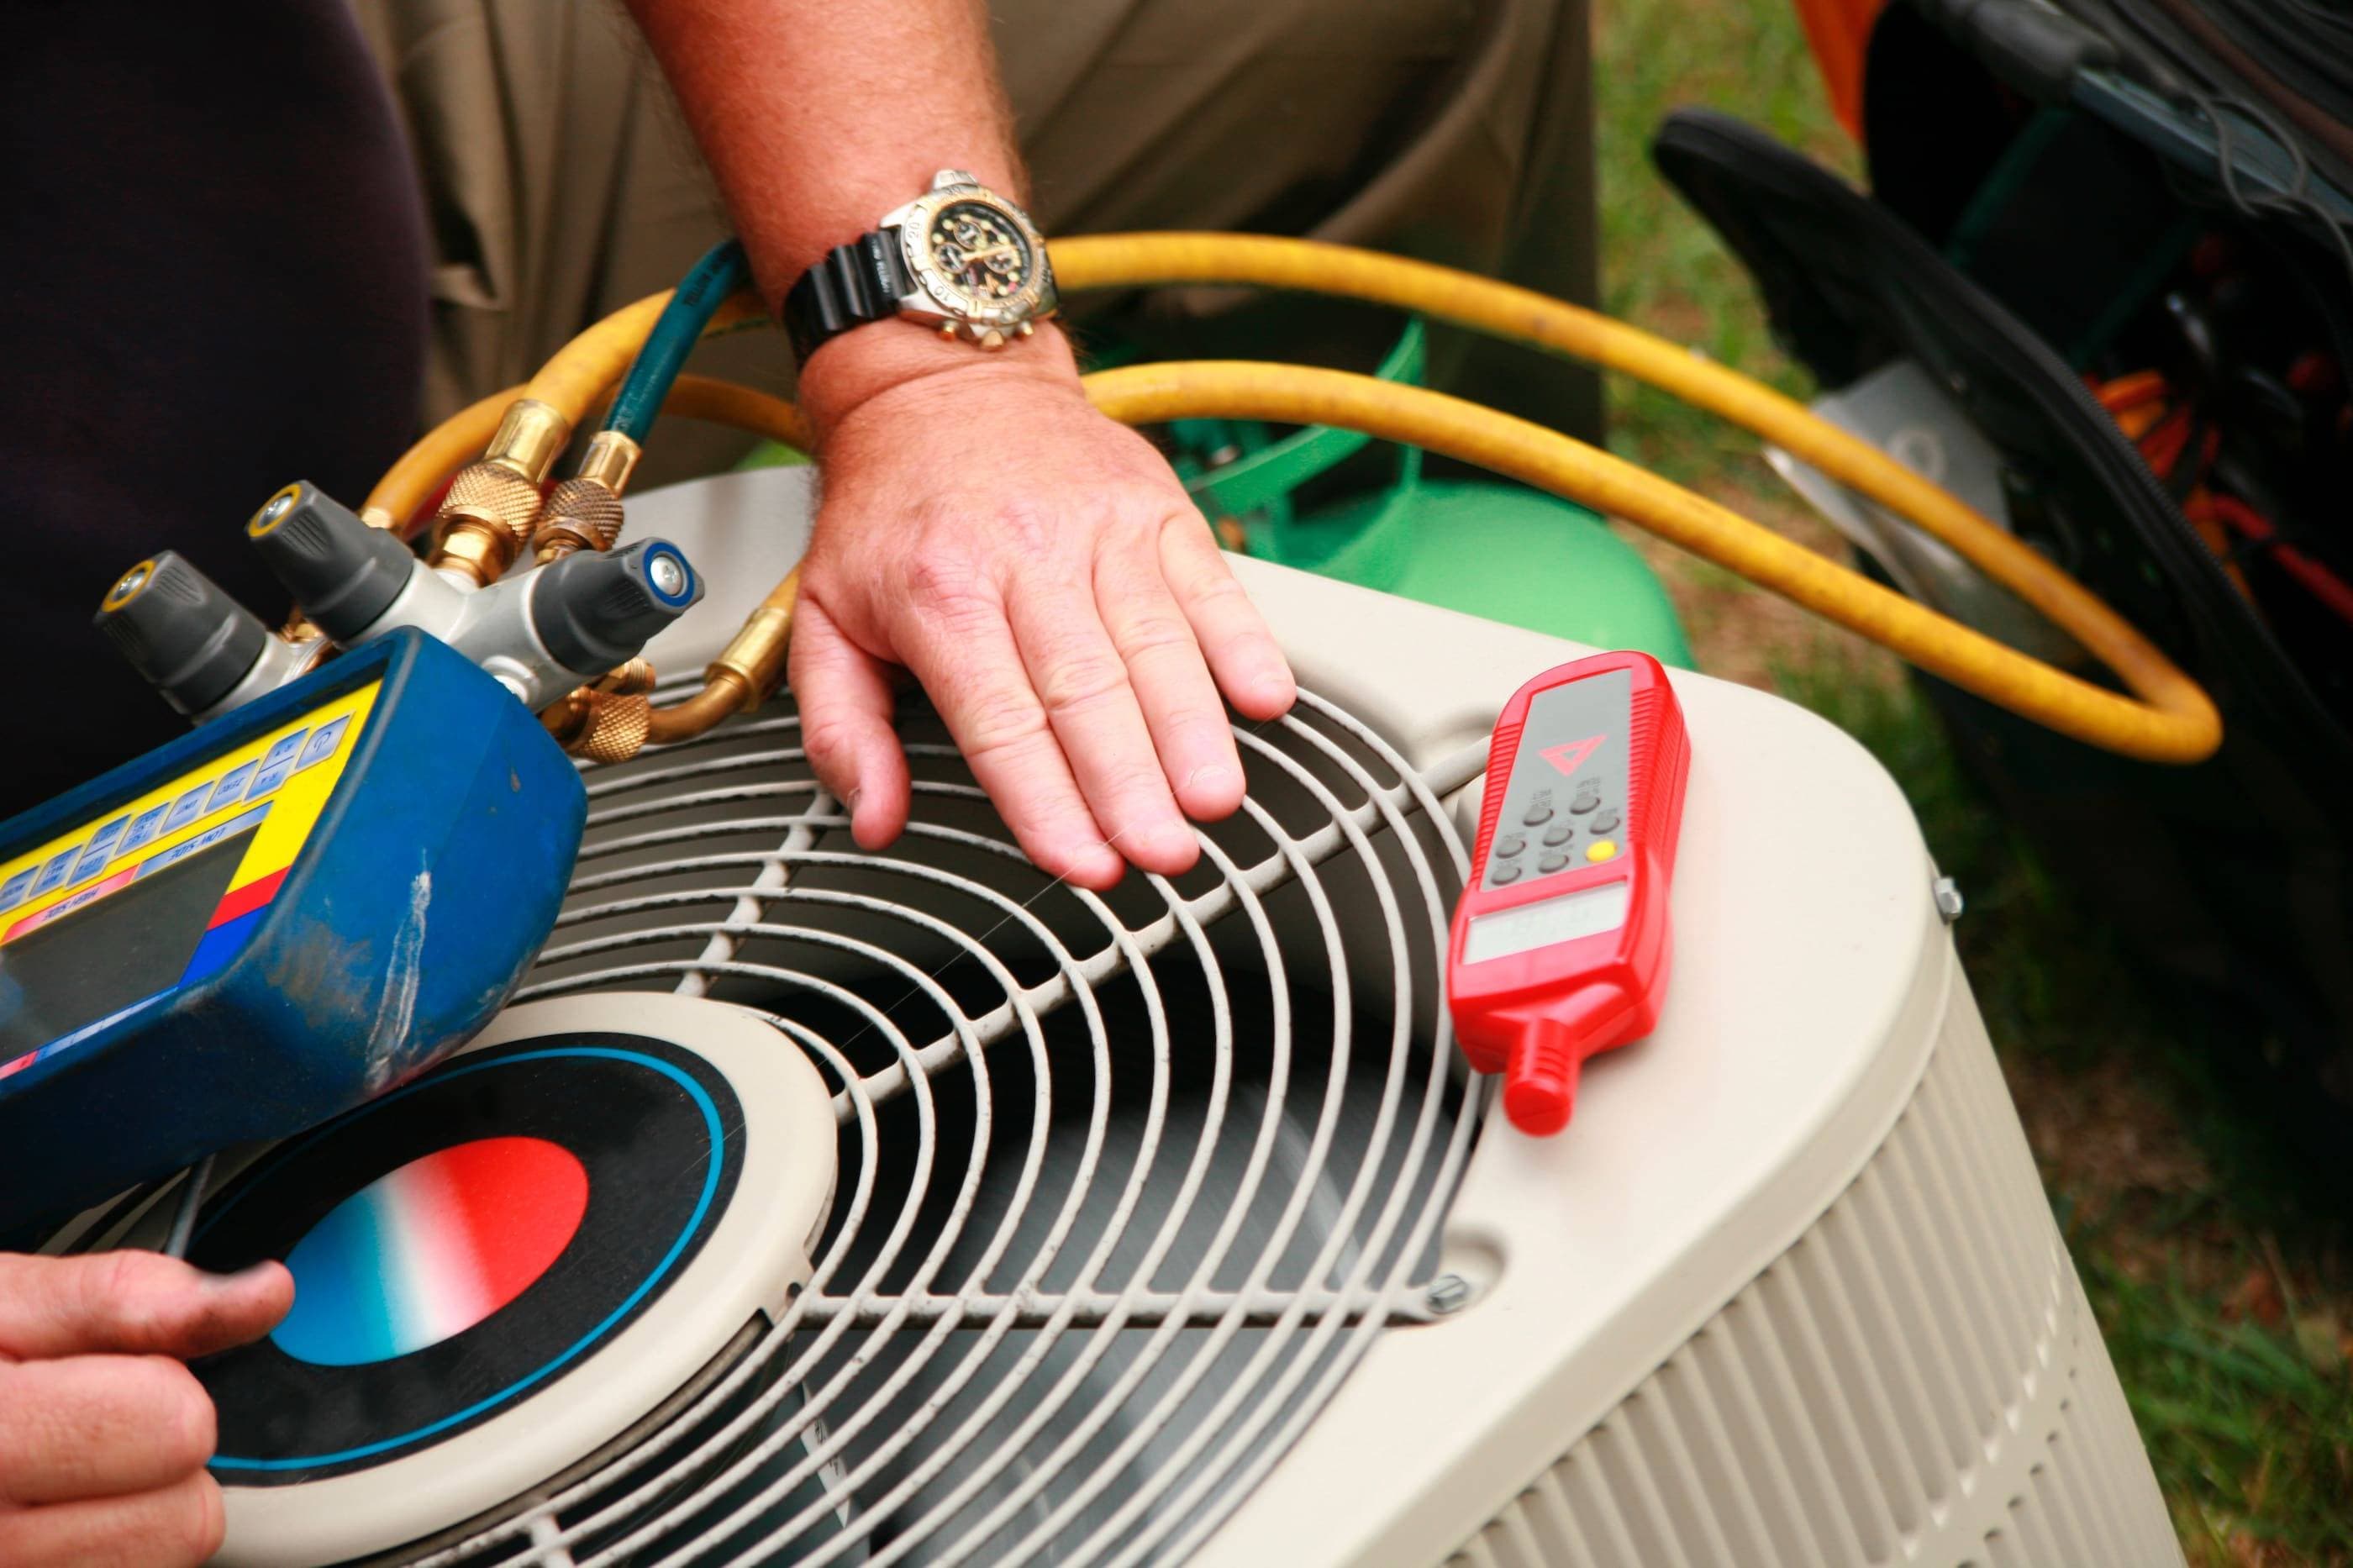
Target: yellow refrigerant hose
(2171, 721)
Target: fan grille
(1129, 1182)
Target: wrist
(863, 363)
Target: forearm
(817, 117)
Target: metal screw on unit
(1948, 898)
(131, 580)
(669, 574)
(1447, 1294)
(277, 508)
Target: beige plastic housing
(1787, 1290)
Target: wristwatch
(959, 257)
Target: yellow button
(1601, 849)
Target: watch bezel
(935, 298)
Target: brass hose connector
(493, 503)
(615, 730)
(607, 722)
(481, 548)
(530, 437)
(581, 514)
(610, 460)
(722, 696)
(746, 671)
(755, 655)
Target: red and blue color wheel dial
(431, 1250)
(462, 1244)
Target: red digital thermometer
(1559, 946)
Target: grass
(2212, 1242)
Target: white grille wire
(1128, 1182)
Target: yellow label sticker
(274, 786)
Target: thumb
(845, 699)
(133, 1303)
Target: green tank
(1487, 548)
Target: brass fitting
(479, 550)
(723, 696)
(611, 459)
(617, 728)
(755, 656)
(530, 439)
(582, 513)
(493, 503)
(601, 726)
(750, 668)
(634, 679)
(567, 717)
(608, 722)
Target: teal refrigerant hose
(720, 273)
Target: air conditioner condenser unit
(1166, 1225)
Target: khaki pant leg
(562, 182)
(1456, 131)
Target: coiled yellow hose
(2173, 721)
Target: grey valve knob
(343, 573)
(596, 609)
(182, 631)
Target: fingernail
(851, 800)
(1209, 773)
(244, 1278)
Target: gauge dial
(981, 253)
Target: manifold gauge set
(333, 883)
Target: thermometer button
(1559, 833)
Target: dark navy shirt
(212, 281)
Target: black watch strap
(852, 285)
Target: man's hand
(1038, 568)
(104, 1433)
(1041, 572)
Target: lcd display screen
(1547, 921)
(120, 949)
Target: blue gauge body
(271, 920)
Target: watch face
(981, 256)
